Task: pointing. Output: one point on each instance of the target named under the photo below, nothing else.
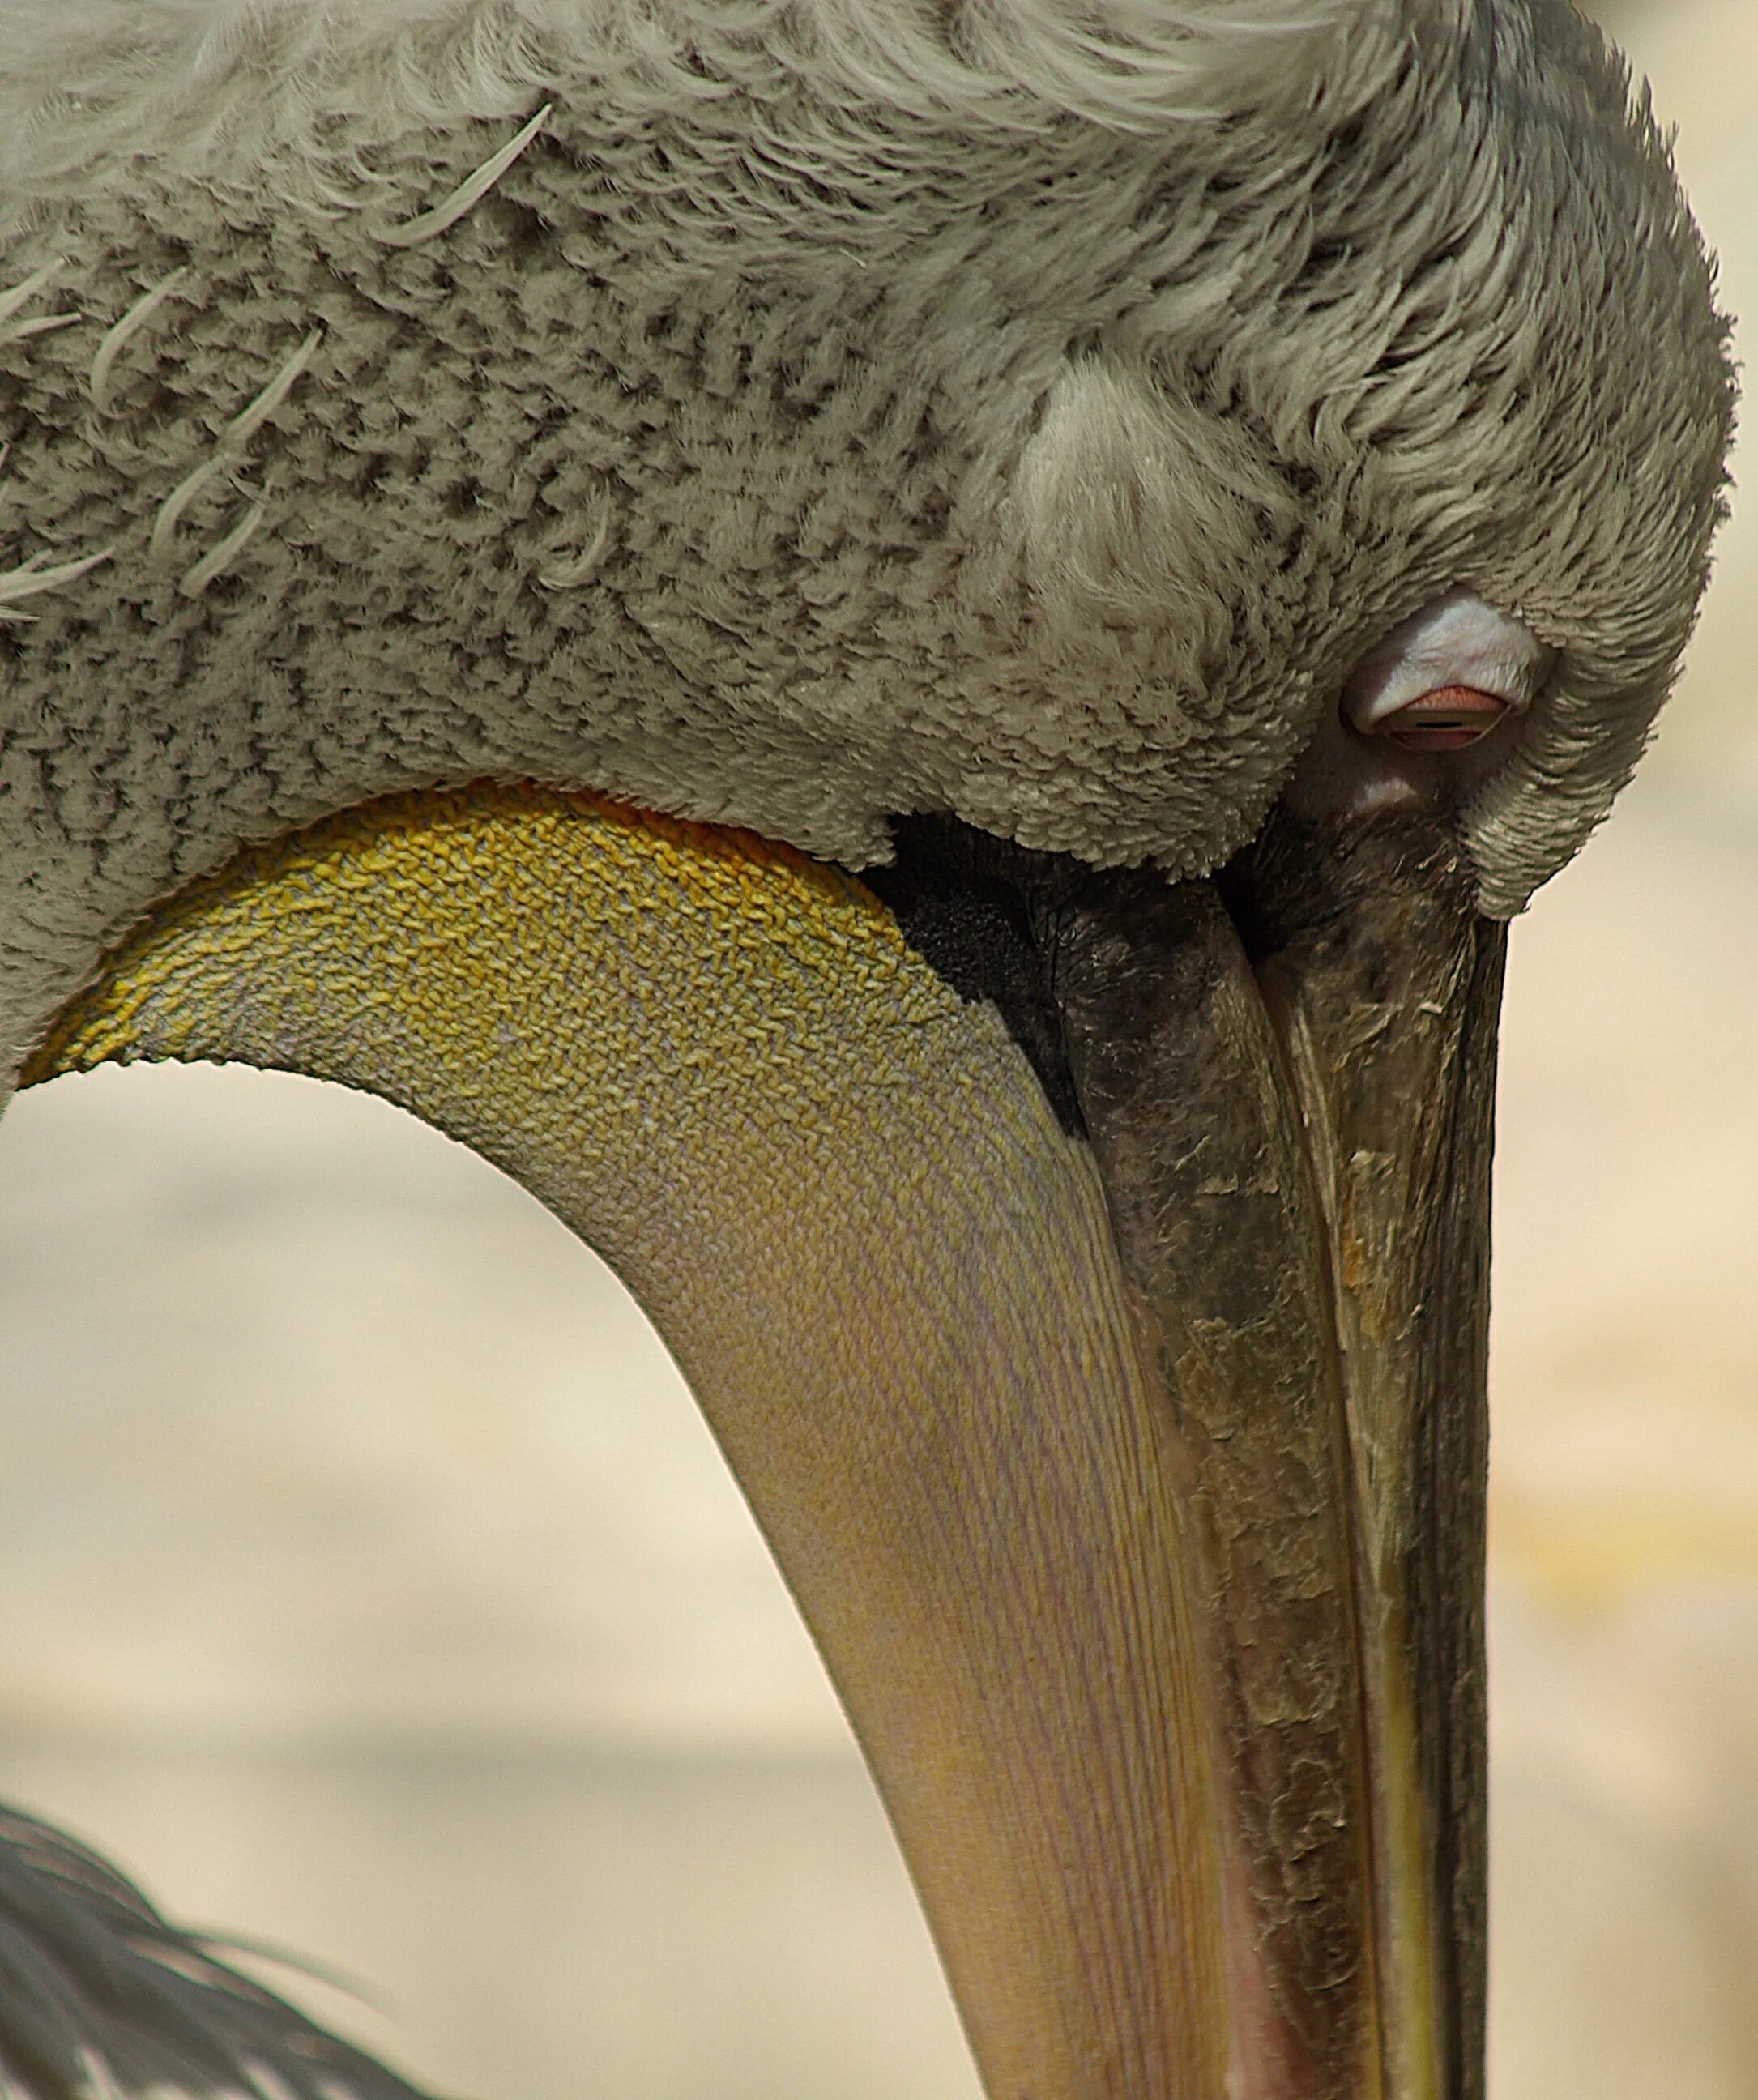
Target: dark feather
(100, 1992)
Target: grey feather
(801, 416)
(100, 1995)
(1029, 413)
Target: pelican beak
(1086, 1275)
(1288, 1078)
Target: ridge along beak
(1129, 1468)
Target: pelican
(907, 654)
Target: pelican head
(909, 655)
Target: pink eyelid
(1451, 718)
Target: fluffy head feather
(825, 411)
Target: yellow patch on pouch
(465, 885)
(583, 993)
(657, 1027)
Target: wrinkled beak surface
(1115, 1406)
(1288, 1076)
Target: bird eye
(1446, 677)
(1452, 718)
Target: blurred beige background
(371, 1585)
